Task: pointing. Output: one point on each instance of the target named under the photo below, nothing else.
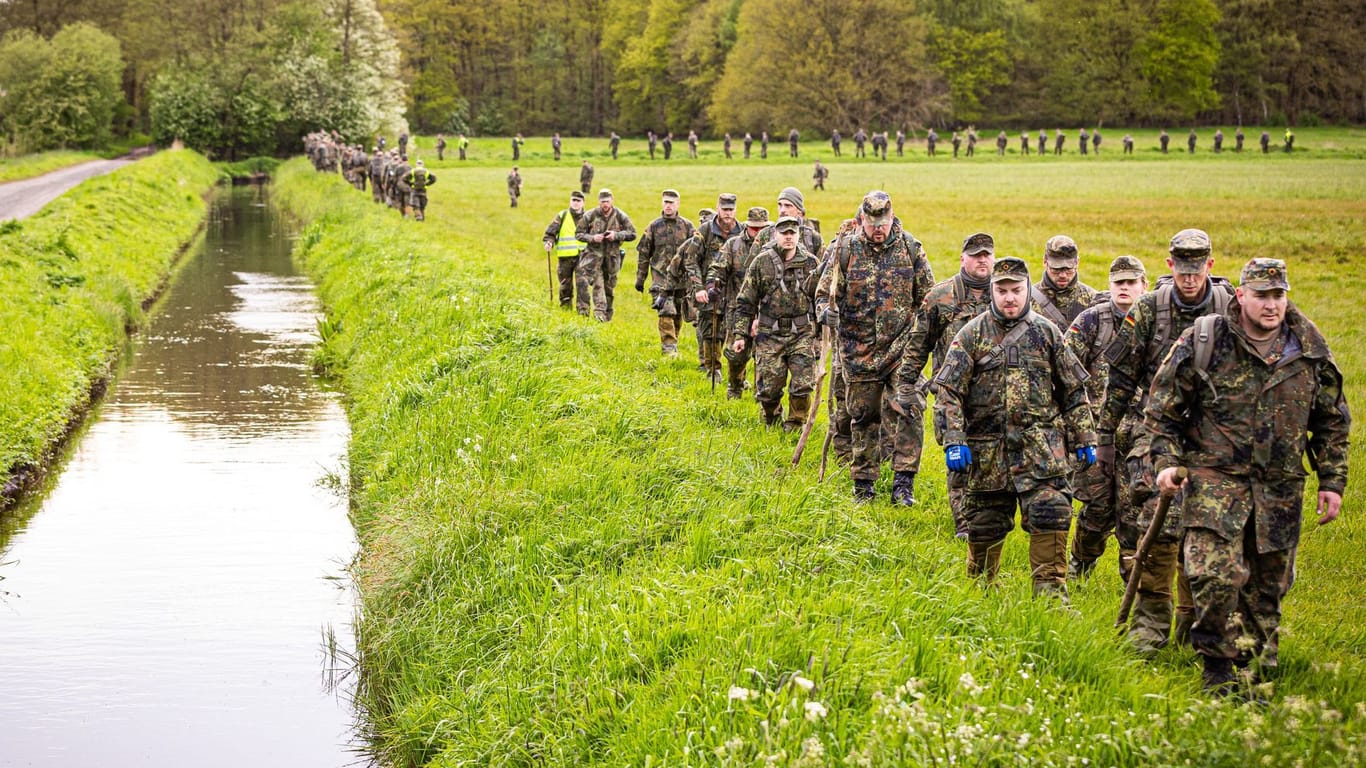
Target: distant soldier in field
(931, 139)
(972, 141)
(603, 229)
(749, 142)
(860, 139)
(1128, 142)
(1043, 142)
(462, 143)
(658, 244)
(835, 141)
(1164, 139)
(1241, 401)
(560, 238)
(792, 138)
(1218, 141)
(667, 144)
(1190, 142)
(403, 146)
(440, 146)
(777, 303)
(1058, 140)
(417, 180)
(883, 148)
(883, 277)
(1010, 409)
(946, 309)
(1060, 296)
(1289, 139)
(901, 144)
(555, 145)
(820, 174)
(1238, 138)
(692, 144)
(1024, 143)
(1095, 141)
(399, 181)
(613, 144)
(377, 163)
(763, 145)
(517, 142)
(514, 186)
(1101, 488)
(695, 259)
(1141, 344)
(725, 145)
(651, 139)
(1083, 140)
(724, 277)
(1001, 141)
(957, 140)
(585, 177)
(1266, 142)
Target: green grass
(1310, 143)
(572, 552)
(28, 166)
(76, 276)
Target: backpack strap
(993, 357)
(1049, 309)
(1106, 332)
(1204, 341)
(1162, 329)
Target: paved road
(21, 199)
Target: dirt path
(21, 199)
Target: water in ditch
(174, 597)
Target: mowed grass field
(575, 554)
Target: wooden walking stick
(1141, 554)
(827, 349)
(815, 406)
(550, 274)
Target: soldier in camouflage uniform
(947, 308)
(1241, 416)
(1010, 408)
(377, 164)
(658, 243)
(691, 266)
(1145, 336)
(725, 275)
(398, 180)
(876, 281)
(514, 186)
(417, 181)
(604, 229)
(1099, 487)
(842, 441)
(779, 291)
(1060, 296)
(790, 203)
(819, 174)
(586, 177)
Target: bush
(62, 92)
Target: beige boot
(984, 559)
(797, 408)
(1048, 562)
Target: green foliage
(972, 64)
(1178, 56)
(75, 276)
(62, 92)
(574, 554)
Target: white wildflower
(803, 683)
(815, 711)
(512, 457)
(969, 684)
(738, 693)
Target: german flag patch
(1129, 319)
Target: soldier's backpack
(1203, 341)
(1162, 330)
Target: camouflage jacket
(946, 309)
(1009, 405)
(1062, 305)
(586, 174)
(515, 183)
(728, 267)
(807, 237)
(1087, 338)
(1244, 425)
(595, 223)
(658, 246)
(689, 269)
(782, 294)
(880, 289)
(1139, 346)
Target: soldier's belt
(775, 324)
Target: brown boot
(1087, 547)
(773, 413)
(984, 559)
(797, 408)
(1048, 562)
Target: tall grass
(574, 554)
(75, 277)
(28, 166)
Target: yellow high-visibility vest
(567, 246)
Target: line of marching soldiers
(1044, 392)
(393, 181)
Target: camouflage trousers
(1150, 628)
(711, 334)
(595, 275)
(1237, 592)
(843, 441)
(564, 273)
(670, 319)
(785, 360)
(1044, 508)
(1103, 495)
(417, 201)
(377, 190)
(736, 362)
(873, 414)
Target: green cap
(876, 208)
(1264, 275)
(757, 217)
(979, 242)
(788, 224)
(670, 194)
(1190, 251)
(1009, 269)
(1127, 268)
(1060, 252)
(726, 201)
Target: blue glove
(1087, 455)
(958, 457)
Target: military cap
(1190, 251)
(1009, 269)
(1060, 252)
(670, 194)
(877, 208)
(1127, 268)
(788, 224)
(794, 196)
(604, 194)
(726, 201)
(419, 163)
(757, 217)
(705, 213)
(576, 195)
(978, 242)
(1264, 275)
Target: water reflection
(167, 602)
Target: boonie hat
(978, 242)
(1060, 252)
(877, 208)
(1009, 269)
(1264, 275)
(726, 201)
(1127, 268)
(788, 224)
(757, 217)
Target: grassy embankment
(28, 166)
(77, 276)
(574, 553)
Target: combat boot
(773, 413)
(1048, 563)
(797, 408)
(984, 559)
(903, 488)
(1181, 632)
(1087, 547)
(668, 349)
(1218, 676)
(863, 491)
